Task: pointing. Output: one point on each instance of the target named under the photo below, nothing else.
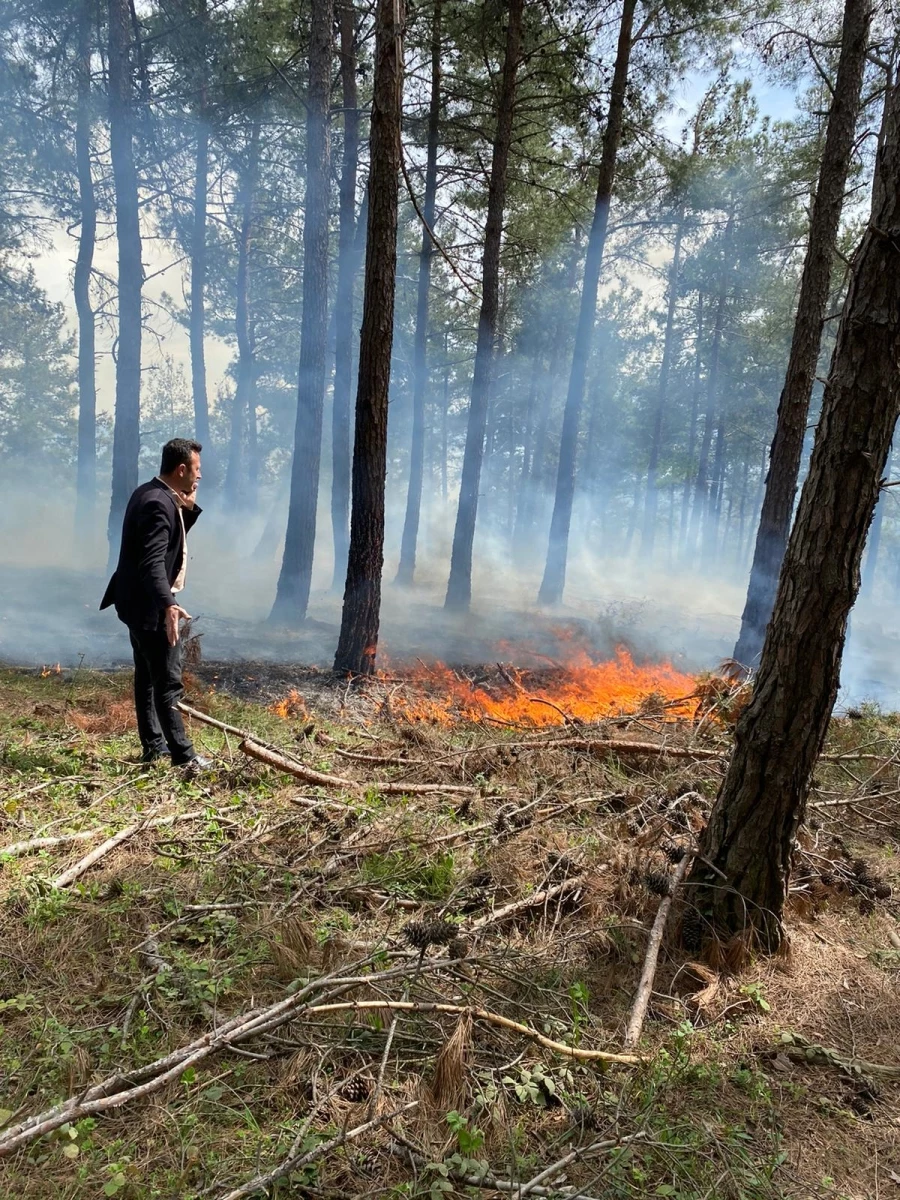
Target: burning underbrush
(406, 957)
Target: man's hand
(174, 616)
(189, 498)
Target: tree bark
(793, 406)
(780, 734)
(126, 430)
(554, 581)
(648, 536)
(197, 324)
(348, 263)
(86, 471)
(358, 641)
(407, 568)
(237, 474)
(459, 585)
(292, 596)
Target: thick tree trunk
(648, 536)
(197, 323)
(554, 581)
(459, 585)
(292, 597)
(237, 473)
(779, 735)
(358, 641)
(790, 430)
(870, 563)
(348, 263)
(407, 568)
(126, 430)
(86, 473)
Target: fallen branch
(536, 900)
(798, 1048)
(478, 1014)
(83, 835)
(621, 746)
(123, 1087)
(387, 788)
(262, 1183)
(648, 974)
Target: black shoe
(195, 765)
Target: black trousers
(157, 689)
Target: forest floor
(377, 988)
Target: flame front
(581, 690)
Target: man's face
(188, 474)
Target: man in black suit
(150, 573)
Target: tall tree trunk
(459, 585)
(762, 801)
(237, 474)
(358, 641)
(701, 483)
(407, 568)
(292, 596)
(197, 323)
(554, 581)
(692, 432)
(716, 487)
(126, 430)
(348, 262)
(790, 430)
(86, 475)
(650, 503)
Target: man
(150, 573)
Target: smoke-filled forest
(448, 651)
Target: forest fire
(581, 690)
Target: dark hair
(176, 452)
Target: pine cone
(860, 868)
(583, 1117)
(357, 1090)
(458, 948)
(659, 883)
(673, 852)
(423, 934)
(560, 865)
(368, 1162)
(827, 879)
(882, 890)
(633, 827)
(692, 930)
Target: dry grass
(270, 890)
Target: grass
(184, 926)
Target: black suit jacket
(149, 557)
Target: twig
(262, 1182)
(798, 1048)
(478, 1014)
(387, 788)
(645, 987)
(83, 835)
(533, 1188)
(83, 864)
(536, 900)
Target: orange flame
(582, 690)
(292, 706)
(45, 671)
